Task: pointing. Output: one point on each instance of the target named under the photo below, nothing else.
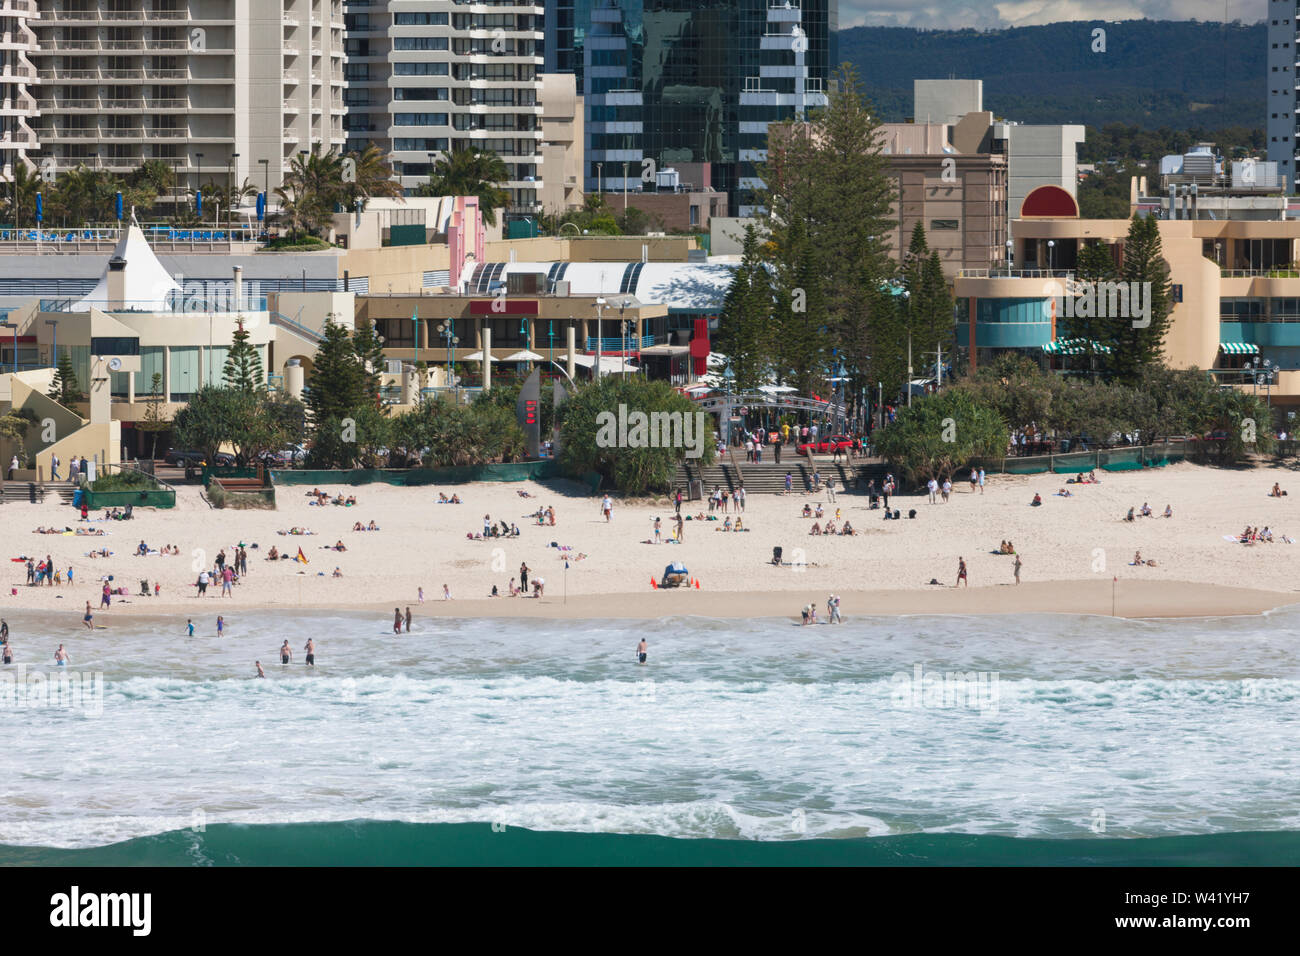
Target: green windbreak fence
(1073, 463)
(512, 471)
(153, 498)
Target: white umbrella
(478, 357)
(524, 356)
(776, 389)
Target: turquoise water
(996, 740)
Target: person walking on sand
(407, 620)
(105, 599)
(89, 618)
(1016, 568)
(607, 507)
(961, 573)
(677, 500)
(420, 594)
(680, 526)
(981, 481)
(397, 620)
(641, 651)
(286, 655)
(523, 578)
(260, 672)
(310, 648)
(658, 535)
(446, 593)
(947, 490)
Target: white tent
(147, 285)
(524, 356)
(776, 389)
(608, 364)
(478, 357)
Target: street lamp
(599, 174)
(448, 332)
(907, 307)
(1051, 248)
(1011, 245)
(266, 180)
(625, 327)
(600, 314)
(230, 203)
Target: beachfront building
(17, 84)
(562, 315)
(431, 77)
(1281, 126)
(1232, 257)
(216, 89)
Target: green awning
(1074, 347)
(1239, 348)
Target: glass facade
(672, 82)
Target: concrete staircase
(27, 491)
(769, 477)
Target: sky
(993, 14)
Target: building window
(419, 43)
(419, 119)
(420, 19)
(940, 224)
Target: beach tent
(148, 287)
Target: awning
(1074, 347)
(666, 350)
(608, 363)
(1239, 348)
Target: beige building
(562, 118)
(216, 89)
(17, 82)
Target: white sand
(1080, 543)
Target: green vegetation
(124, 480)
(634, 470)
(65, 389)
(1013, 391)
(14, 425)
(251, 422)
(243, 369)
(298, 243)
(598, 218)
(469, 172)
(1153, 73)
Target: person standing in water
(221, 626)
(641, 651)
(89, 618)
(407, 620)
(961, 573)
(189, 626)
(8, 652)
(310, 648)
(61, 657)
(397, 620)
(286, 655)
(260, 672)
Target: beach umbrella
(478, 357)
(523, 356)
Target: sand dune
(1072, 549)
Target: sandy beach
(1073, 550)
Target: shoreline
(1132, 600)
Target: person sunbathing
(340, 546)
(848, 528)
(1129, 516)
(816, 529)
(1038, 500)
(372, 526)
(1146, 510)
(830, 528)
(726, 525)
(1169, 512)
(818, 513)
(455, 499)
(337, 500)
(1092, 478)
(1002, 548)
(351, 500)
(1137, 559)
(1065, 493)
(358, 527)
(807, 510)
(524, 494)
(337, 572)
(1266, 535)
(1277, 491)
(273, 554)
(442, 498)
(550, 516)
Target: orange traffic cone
(654, 585)
(697, 584)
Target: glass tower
(695, 83)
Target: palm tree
(25, 185)
(83, 194)
(375, 176)
(469, 172)
(311, 189)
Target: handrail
(310, 334)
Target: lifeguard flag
(301, 557)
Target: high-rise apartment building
(427, 78)
(17, 82)
(690, 85)
(216, 89)
(1283, 103)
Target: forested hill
(1153, 73)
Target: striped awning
(1239, 348)
(1074, 347)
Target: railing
(293, 325)
(1273, 273)
(1015, 274)
(615, 344)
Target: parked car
(183, 458)
(827, 445)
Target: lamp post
(266, 182)
(1011, 245)
(1051, 259)
(600, 168)
(624, 330)
(448, 332)
(230, 202)
(907, 307)
(600, 314)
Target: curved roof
(689, 286)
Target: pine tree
(65, 389)
(243, 368)
(938, 329)
(1140, 338)
(745, 326)
(337, 384)
(1095, 266)
(370, 357)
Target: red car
(827, 446)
